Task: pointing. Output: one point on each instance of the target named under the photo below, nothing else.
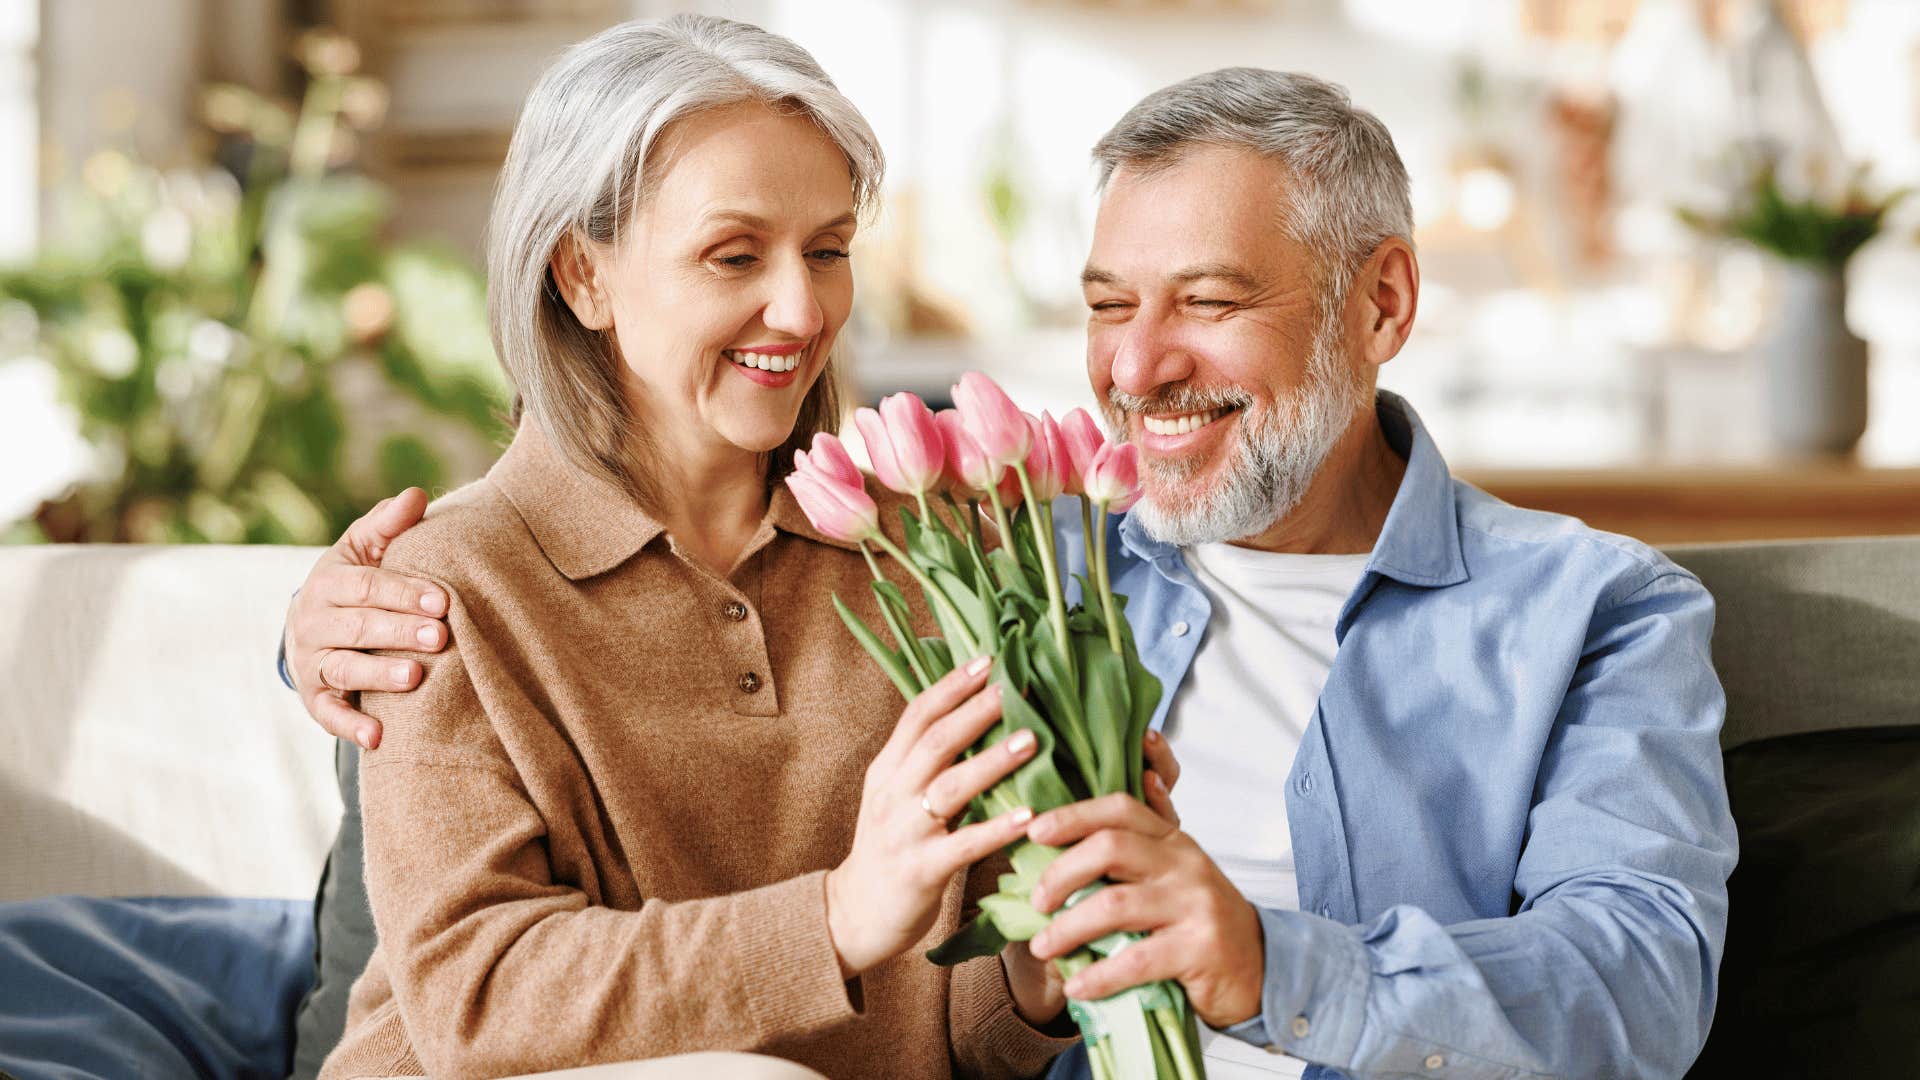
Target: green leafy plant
(251, 359)
(1809, 230)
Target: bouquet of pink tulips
(1070, 675)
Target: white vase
(1816, 367)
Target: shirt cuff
(1313, 1001)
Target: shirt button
(749, 682)
(735, 610)
(1180, 629)
(1306, 783)
(1300, 1027)
(1326, 912)
(1434, 1061)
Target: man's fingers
(1160, 758)
(351, 671)
(1160, 800)
(353, 586)
(366, 540)
(1150, 960)
(371, 628)
(1116, 907)
(1115, 854)
(343, 721)
(1077, 820)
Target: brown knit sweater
(599, 829)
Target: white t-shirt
(1236, 723)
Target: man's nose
(793, 306)
(1149, 356)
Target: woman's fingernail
(1021, 816)
(399, 675)
(364, 737)
(432, 603)
(979, 664)
(1020, 742)
(1158, 784)
(1074, 988)
(426, 635)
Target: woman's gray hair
(1349, 188)
(581, 160)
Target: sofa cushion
(342, 928)
(1822, 968)
(151, 987)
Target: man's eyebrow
(1093, 275)
(1232, 275)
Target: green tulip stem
(1043, 535)
(969, 647)
(1103, 580)
(902, 636)
(1000, 516)
(1174, 1031)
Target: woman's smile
(771, 366)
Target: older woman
(651, 800)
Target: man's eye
(739, 262)
(1203, 302)
(831, 254)
(1108, 305)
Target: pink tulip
(1113, 479)
(966, 466)
(840, 511)
(1083, 439)
(829, 460)
(1047, 461)
(904, 442)
(992, 419)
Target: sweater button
(735, 610)
(1300, 1027)
(749, 682)
(1434, 1062)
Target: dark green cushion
(1822, 969)
(342, 929)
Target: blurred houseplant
(252, 361)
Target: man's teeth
(766, 362)
(1180, 425)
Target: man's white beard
(1269, 467)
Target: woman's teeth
(1180, 425)
(765, 361)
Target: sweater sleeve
(483, 945)
(990, 1039)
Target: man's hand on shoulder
(1204, 934)
(349, 605)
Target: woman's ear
(576, 273)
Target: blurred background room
(1670, 282)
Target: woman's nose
(794, 308)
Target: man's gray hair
(582, 158)
(1349, 188)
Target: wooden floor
(1664, 505)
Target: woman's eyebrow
(760, 224)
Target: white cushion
(147, 747)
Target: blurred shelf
(1673, 504)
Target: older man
(1453, 801)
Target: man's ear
(1387, 293)
(576, 273)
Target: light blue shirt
(1509, 820)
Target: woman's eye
(738, 262)
(831, 254)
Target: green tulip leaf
(977, 938)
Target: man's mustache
(1176, 399)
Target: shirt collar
(587, 526)
(1420, 541)
(584, 524)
